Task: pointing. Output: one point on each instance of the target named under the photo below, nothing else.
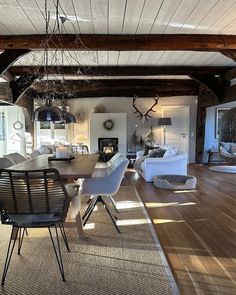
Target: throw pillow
(156, 153)
(147, 149)
(170, 152)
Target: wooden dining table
(82, 166)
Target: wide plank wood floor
(197, 229)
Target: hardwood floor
(197, 229)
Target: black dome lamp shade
(47, 113)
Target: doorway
(177, 134)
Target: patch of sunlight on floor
(159, 205)
(129, 205)
(187, 204)
(169, 204)
(185, 191)
(132, 221)
(160, 221)
(39, 232)
(136, 175)
(89, 226)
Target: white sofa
(150, 167)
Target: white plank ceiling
(134, 58)
(123, 17)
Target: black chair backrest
(33, 192)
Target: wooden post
(200, 130)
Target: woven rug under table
(107, 263)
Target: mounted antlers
(146, 115)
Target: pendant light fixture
(67, 117)
(47, 112)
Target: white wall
(124, 105)
(211, 142)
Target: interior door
(177, 134)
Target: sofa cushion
(156, 153)
(171, 151)
(147, 149)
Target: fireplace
(108, 145)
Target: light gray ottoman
(175, 182)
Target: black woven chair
(33, 199)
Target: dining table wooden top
(82, 166)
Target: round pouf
(176, 182)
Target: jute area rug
(107, 263)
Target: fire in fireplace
(108, 145)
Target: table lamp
(80, 139)
(164, 122)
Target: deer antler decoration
(144, 116)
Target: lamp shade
(164, 122)
(68, 118)
(80, 138)
(47, 113)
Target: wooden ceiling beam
(69, 84)
(198, 42)
(230, 74)
(8, 57)
(119, 87)
(215, 84)
(119, 70)
(20, 85)
(230, 54)
(7, 76)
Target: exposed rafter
(20, 85)
(8, 57)
(230, 53)
(196, 42)
(230, 74)
(117, 87)
(120, 70)
(7, 76)
(215, 84)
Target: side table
(132, 158)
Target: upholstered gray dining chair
(104, 169)
(101, 165)
(16, 158)
(5, 162)
(33, 199)
(104, 187)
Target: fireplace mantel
(97, 130)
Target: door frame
(188, 121)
